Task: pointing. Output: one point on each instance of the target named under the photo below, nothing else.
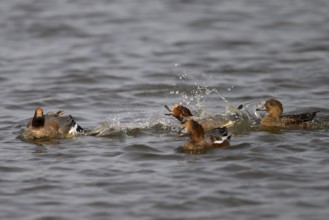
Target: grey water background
(114, 64)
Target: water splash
(243, 118)
(138, 123)
(195, 97)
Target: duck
(51, 125)
(178, 111)
(181, 113)
(275, 117)
(200, 140)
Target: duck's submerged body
(51, 125)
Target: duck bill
(168, 109)
(261, 108)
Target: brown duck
(200, 141)
(178, 111)
(274, 118)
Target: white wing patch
(73, 129)
(224, 138)
(219, 141)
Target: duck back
(66, 124)
(297, 119)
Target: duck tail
(225, 137)
(76, 129)
(314, 114)
(79, 129)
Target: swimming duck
(51, 125)
(180, 112)
(275, 118)
(200, 141)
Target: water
(115, 64)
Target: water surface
(115, 64)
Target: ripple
(6, 169)
(140, 148)
(39, 188)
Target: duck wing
(298, 118)
(217, 137)
(56, 114)
(217, 132)
(66, 124)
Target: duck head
(38, 118)
(273, 107)
(179, 111)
